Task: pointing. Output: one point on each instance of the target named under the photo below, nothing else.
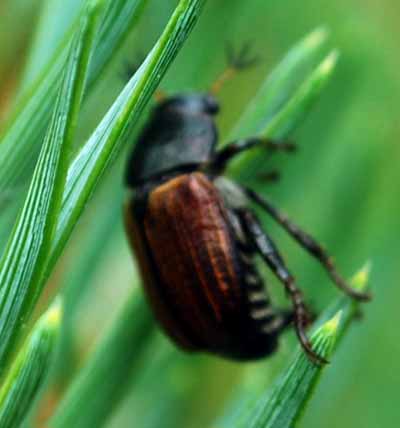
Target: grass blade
(283, 406)
(104, 378)
(29, 369)
(295, 109)
(302, 100)
(22, 263)
(23, 135)
(120, 18)
(280, 84)
(107, 139)
(55, 18)
(292, 392)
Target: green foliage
(284, 100)
(285, 402)
(106, 140)
(21, 265)
(288, 397)
(111, 370)
(121, 354)
(45, 222)
(280, 84)
(25, 377)
(24, 132)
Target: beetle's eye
(211, 104)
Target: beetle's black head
(192, 104)
(180, 135)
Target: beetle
(196, 236)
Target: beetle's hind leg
(308, 243)
(225, 155)
(268, 251)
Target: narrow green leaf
(108, 137)
(22, 263)
(29, 369)
(302, 100)
(103, 380)
(280, 84)
(82, 177)
(292, 391)
(23, 135)
(120, 18)
(55, 18)
(284, 404)
(295, 109)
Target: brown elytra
(195, 270)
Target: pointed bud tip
(328, 64)
(317, 37)
(360, 279)
(332, 325)
(54, 313)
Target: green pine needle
(278, 113)
(107, 139)
(280, 84)
(29, 369)
(21, 265)
(284, 403)
(23, 135)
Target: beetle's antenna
(237, 60)
(227, 74)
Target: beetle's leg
(270, 254)
(308, 243)
(223, 156)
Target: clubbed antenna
(241, 58)
(237, 60)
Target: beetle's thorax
(180, 136)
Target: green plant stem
(21, 266)
(27, 373)
(22, 138)
(280, 84)
(283, 405)
(55, 18)
(293, 111)
(102, 147)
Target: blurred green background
(341, 186)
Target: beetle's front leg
(225, 155)
(308, 243)
(268, 251)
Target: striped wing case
(192, 269)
